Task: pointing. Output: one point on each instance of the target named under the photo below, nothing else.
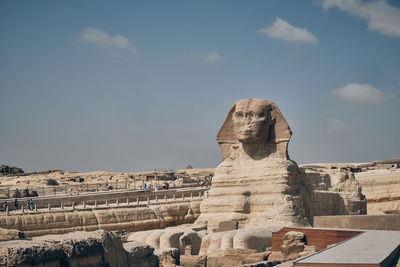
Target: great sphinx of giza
(256, 183)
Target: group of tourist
(204, 183)
(17, 194)
(155, 187)
(25, 193)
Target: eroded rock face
(96, 248)
(177, 238)
(256, 184)
(10, 234)
(255, 239)
(130, 219)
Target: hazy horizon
(144, 85)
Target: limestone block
(191, 239)
(293, 245)
(255, 239)
(137, 250)
(170, 239)
(153, 239)
(168, 256)
(10, 234)
(227, 226)
(130, 219)
(96, 248)
(177, 238)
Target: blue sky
(142, 85)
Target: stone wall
(371, 222)
(111, 219)
(333, 204)
(99, 248)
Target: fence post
(165, 197)
(62, 205)
(148, 200)
(73, 205)
(49, 206)
(84, 204)
(8, 192)
(35, 208)
(173, 196)
(97, 187)
(117, 201)
(137, 200)
(183, 196)
(191, 194)
(127, 201)
(95, 203)
(7, 210)
(106, 202)
(23, 210)
(156, 198)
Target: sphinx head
(251, 120)
(258, 125)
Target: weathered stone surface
(191, 239)
(10, 234)
(350, 191)
(137, 250)
(227, 226)
(130, 219)
(168, 256)
(238, 257)
(96, 248)
(140, 254)
(255, 121)
(177, 238)
(193, 261)
(255, 239)
(257, 184)
(382, 190)
(293, 244)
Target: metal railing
(126, 198)
(90, 187)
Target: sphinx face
(251, 121)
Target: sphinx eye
(261, 114)
(238, 114)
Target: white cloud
(281, 29)
(380, 15)
(362, 93)
(212, 57)
(101, 38)
(335, 126)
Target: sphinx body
(257, 184)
